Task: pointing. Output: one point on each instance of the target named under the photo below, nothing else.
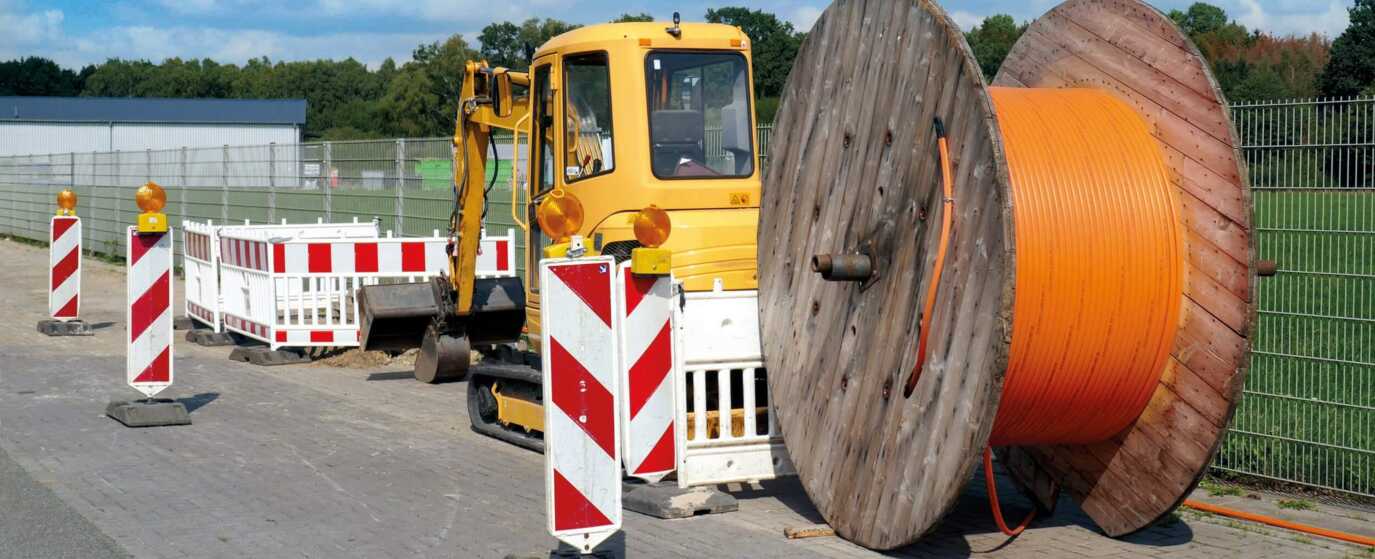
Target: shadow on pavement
(967, 529)
(397, 375)
(194, 403)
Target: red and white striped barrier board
(647, 331)
(496, 256)
(581, 455)
(383, 256)
(149, 313)
(64, 268)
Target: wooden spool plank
(1129, 48)
(853, 166)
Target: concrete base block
(183, 323)
(64, 328)
(667, 500)
(209, 338)
(149, 413)
(262, 356)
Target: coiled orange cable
(1099, 270)
(1100, 266)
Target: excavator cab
(616, 120)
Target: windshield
(699, 115)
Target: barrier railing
(729, 431)
(295, 285)
(201, 255)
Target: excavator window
(543, 160)
(587, 108)
(699, 115)
(544, 136)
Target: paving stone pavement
(313, 461)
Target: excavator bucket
(396, 316)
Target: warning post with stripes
(149, 311)
(581, 395)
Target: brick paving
(313, 461)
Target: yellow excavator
(641, 144)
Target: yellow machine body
(621, 117)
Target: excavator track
(494, 385)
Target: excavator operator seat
(677, 137)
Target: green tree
(773, 43)
(39, 77)
(1352, 66)
(991, 40)
(505, 43)
(1200, 18)
(631, 18)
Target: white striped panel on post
(645, 304)
(64, 268)
(582, 451)
(148, 315)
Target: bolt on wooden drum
(850, 238)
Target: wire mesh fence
(403, 184)
(1308, 412)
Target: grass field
(1308, 415)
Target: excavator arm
(447, 316)
(486, 103)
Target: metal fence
(404, 184)
(1308, 412)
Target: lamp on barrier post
(151, 198)
(148, 311)
(64, 271)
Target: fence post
(400, 187)
(272, 182)
(115, 221)
(327, 182)
(148, 165)
(181, 192)
(224, 184)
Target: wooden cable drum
(1092, 263)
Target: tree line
(348, 100)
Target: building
(40, 125)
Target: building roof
(153, 110)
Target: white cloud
(966, 20)
(432, 10)
(803, 17)
(228, 46)
(1287, 18)
(22, 27)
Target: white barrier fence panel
(728, 426)
(201, 257)
(301, 291)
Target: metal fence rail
(1308, 412)
(404, 184)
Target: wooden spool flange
(853, 169)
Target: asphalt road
(35, 523)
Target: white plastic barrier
(201, 258)
(302, 292)
(728, 432)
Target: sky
(76, 33)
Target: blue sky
(75, 32)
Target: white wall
(29, 138)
